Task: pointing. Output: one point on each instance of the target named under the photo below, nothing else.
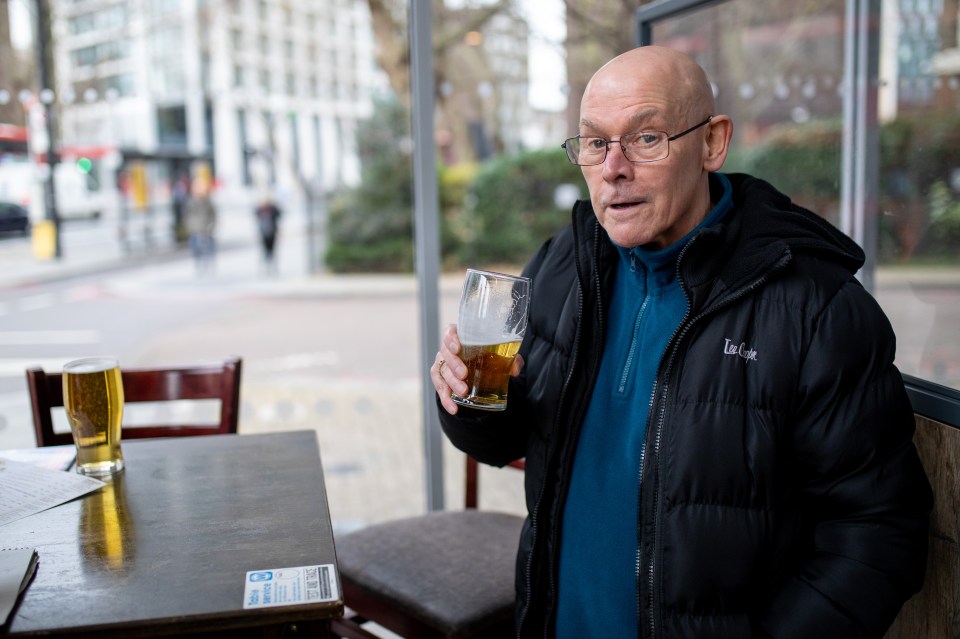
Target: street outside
(334, 354)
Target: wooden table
(164, 549)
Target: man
(717, 442)
(201, 222)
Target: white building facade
(268, 92)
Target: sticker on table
(290, 586)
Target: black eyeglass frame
(607, 143)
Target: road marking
(298, 361)
(34, 338)
(37, 302)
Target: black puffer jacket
(780, 491)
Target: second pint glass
(491, 324)
(93, 399)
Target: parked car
(14, 218)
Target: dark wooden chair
(148, 385)
(444, 574)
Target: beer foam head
(486, 337)
(91, 365)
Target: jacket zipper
(656, 453)
(534, 517)
(675, 339)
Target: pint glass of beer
(491, 323)
(93, 399)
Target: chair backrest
(148, 385)
(471, 490)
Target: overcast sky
(547, 67)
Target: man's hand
(448, 370)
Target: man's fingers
(438, 374)
(517, 366)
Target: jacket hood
(769, 216)
(765, 230)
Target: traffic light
(84, 164)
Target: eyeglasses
(641, 146)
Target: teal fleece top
(597, 591)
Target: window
(172, 125)
(123, 84)
(785, 81)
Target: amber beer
(491, 324)
(488, 374)
(93, 399)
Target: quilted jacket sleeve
(498, 438)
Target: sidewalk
(91, 247)
(166, 266)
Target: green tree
(510, 207)
(371, 226)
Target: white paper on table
(26, 489)
(17, 566)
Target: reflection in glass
(106, 529)
(775, 68)
(778, 70)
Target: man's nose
(616, 163)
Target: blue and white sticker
(290, 586)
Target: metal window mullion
(427, 236)
(859, 172)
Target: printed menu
(26, 489)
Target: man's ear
(716, 142)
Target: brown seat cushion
(453, 570)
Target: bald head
(661, 68)
(652, 89)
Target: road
(334, 354)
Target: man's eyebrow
(586, 124)
(643, 117)
(637, 120)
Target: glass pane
(777, 70)
(918, 278)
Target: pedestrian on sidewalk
(201, 222)
(181, 195)
(268, 223)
